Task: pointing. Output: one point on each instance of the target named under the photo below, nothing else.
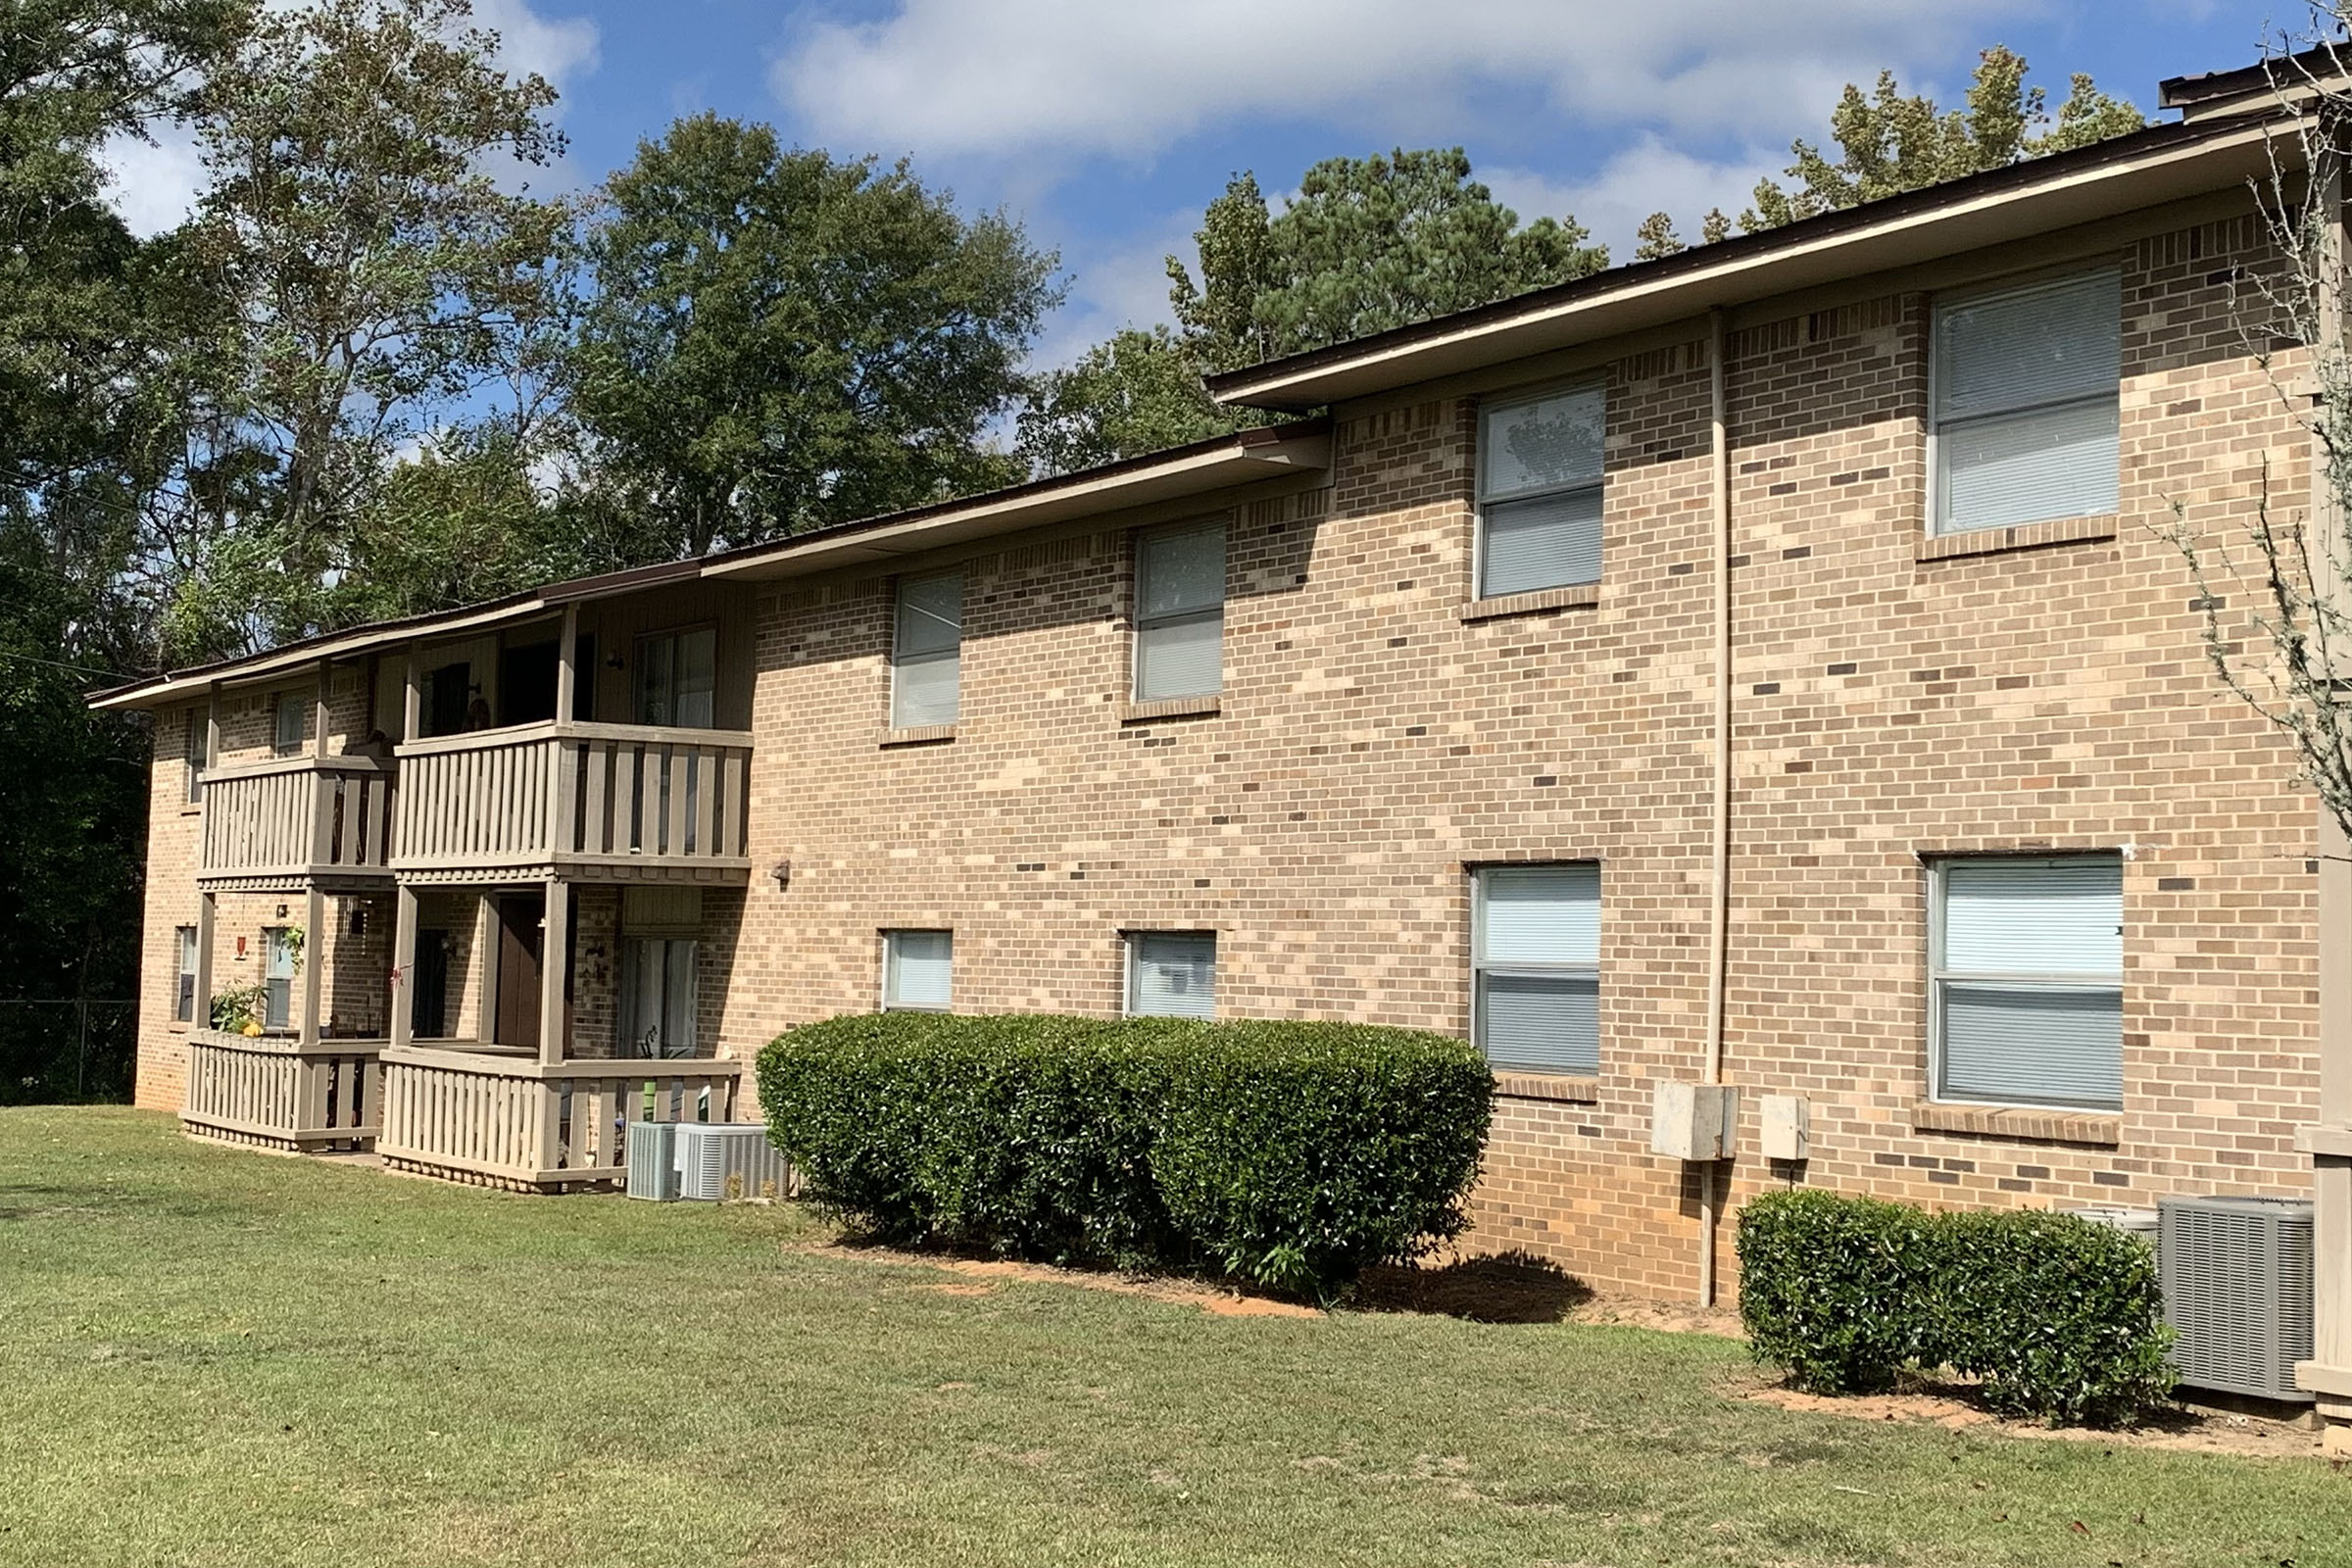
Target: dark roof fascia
(2297, 69)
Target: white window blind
(927, 653)
(2029, 981)
(1540, 492)
(918, 970)
(1172, 974)
(2027, 420)
(1536, 958)
(184, 1006)
(1180, 613)
(277, 979)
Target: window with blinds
(2027, 965)
(1536, 963)
(1538, 492)
(918, 970)
(1180, 612)
(286, 734)
(278, 978)
(2026, 413)
(1172, 974)
(927, 653)
(183, 1001)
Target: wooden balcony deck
(295, 822)
(280, 1093)
(508, 1121)
(587, 801)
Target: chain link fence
(65, 1051)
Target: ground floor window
(183, 1003)
(1172, 974)
(278, 978)
(657, 996)
(918, 970)
(1536, 961)
(2026, 958)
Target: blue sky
(1107, 127)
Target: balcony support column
(318, 712)
(555, 953)
(208, 908)
(313, 961)
(485, 950)
(403, 966)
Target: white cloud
(1644, 177)
(154, 183)
(1000, 77)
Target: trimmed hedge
(2061, 1318)
(1291, 1155)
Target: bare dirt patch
(982, 1275)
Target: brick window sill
(1171, 708)
(2024, 536)
(1576, 596)
(1547, 1086)
(2007, 1121)
(919, 735)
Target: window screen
(1172, 974)
(1180, 613)
(1536, 957)
(2026, 402)
(1538, 492)
(183, 1005)
(918, 970)
(927, 653)
(2028, 974)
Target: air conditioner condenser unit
(719, 1161)
(2238, 1291)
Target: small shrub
(2062, 1319)
(1291, 1155)
(1833, 1288)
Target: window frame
(900, 658)
(1132, 941)
(183, 983)
(628, 994)
(674, 635)
(2057, 981)
(890, 951)
(289, 701)
(274, 1014)
(1142, 623)
(1938, 520)
(1479, 967)
(195, 750)
(1486, 405)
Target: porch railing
(277, 1091)
(574, 794)
(512, 1121)
(297, 818)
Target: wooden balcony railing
(574, 797)
(510, 1121)
(296, 818)
(278, 1092)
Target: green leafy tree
(1136, 392)
(357, 266)
(1656, 238)
(778, 339)
(1890, 141)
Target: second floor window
(2026, 386)
(1180, 612)
(194, 741)
(927, 654)
(286, 740)
(1172, 974)
(918, 970)
(1538, 492)
(1535, 945)
(2026, 958)
(677, 678)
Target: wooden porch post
(411, 705)
(485, 950)
(207, 912)
(555, 947)
(313, 961)
(212, 727)
(404, 962)
(318, 712)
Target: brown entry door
(521, 917)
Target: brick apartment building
(1414, 709)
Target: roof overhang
(1251, 457)
(2147, 168)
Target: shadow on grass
(1503, 1288)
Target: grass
(216, 1357)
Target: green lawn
(216, 1357)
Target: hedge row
(1291, 1155)
(2060, 1317)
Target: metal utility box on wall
(1693, 1122)
(2237, 1291)
(1784, 1127)
(720, 1160)
(653, 1160)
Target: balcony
(580, 801)
(295, 822)
(283, 1092)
